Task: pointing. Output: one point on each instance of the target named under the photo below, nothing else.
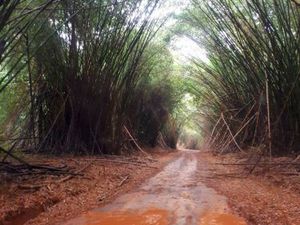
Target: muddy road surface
(172, 197)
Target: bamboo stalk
(233, 138)
(268, 116)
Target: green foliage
(87, 71)
(75, 75)
(156, 98)
(254, 49)
(190, 139)
(91, 67)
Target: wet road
(173, 197)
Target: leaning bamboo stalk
(233, 138)
(239, 131)
(134, 141)
(256, 123)
(213, 130)
(244, 124)
(268, 116)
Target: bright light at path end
(185, 49)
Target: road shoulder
(259, 198)
(61, 200)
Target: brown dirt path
(172, 197)
(186, 187)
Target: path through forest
(172, 197)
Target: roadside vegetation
(85, 77)
(98, 77)
(93, 101)
(248, 93)
(88, 77)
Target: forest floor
(269, 195)
(195, 186)
(26, 200)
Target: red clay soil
(25, 201)
(267, 196)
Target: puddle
(27, 214)
(149, 217)
(220, 219)
(24, 216)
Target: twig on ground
(141, 164)
(123, 181)
(31, 187)
(77, 172)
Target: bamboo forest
(149, 112)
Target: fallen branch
(141, 164)
(131, 158)
(9, 151)
(107, 195)
(256, 163)
(31, 187)
(27, 169)
(77, 172)
(162, 141)
(123, 181)
(13, 156)
(134, 141)
(102, 197)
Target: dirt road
(172, 197)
